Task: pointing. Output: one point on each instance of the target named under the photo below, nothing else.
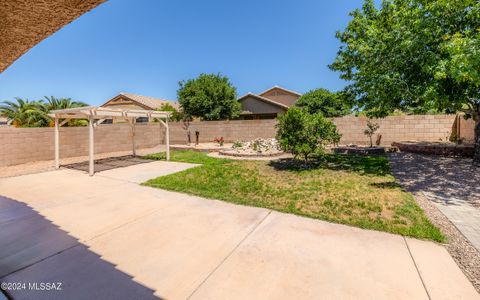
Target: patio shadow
(34, 251)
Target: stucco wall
(25, 23)
(22, 145)
(260, 107)
(281, 96)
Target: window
(142, 120)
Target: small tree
(302, 133)
(209, 97)
(328, 103)
(371, 129)
(175, 114)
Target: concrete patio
(108, 237)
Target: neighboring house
(268, 104)
(3, 121)
(132, 101)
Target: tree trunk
(476, 155)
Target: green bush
(302, 133)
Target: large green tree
(209, 97)
(329, 104)
(414, 54)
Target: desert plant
(219, 140)
(302, 133)
(371, 129)
(237, 144)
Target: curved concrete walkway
(175, 246)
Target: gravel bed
(465, 255)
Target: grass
(346, 189)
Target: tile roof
(151, 102)
(280, 88)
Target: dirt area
(48, 165)
(202, 147)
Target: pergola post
(167, 138)
(57, 144)
(133, 121)
(91, 161)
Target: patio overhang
(95, 116)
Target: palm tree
(53, 103)
(25, 113)
(62, 103)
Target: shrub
(302, 133)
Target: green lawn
(347, 189)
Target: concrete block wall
(431, 128)
(466, 129)
(229, 130)
(23, 145)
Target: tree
(53, 103)
(25, 113)
(175, 114)
(414, 54)
(371, 129)
(302, 133)
(325, 102)
(209, 97)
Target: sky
(147, 46)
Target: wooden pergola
(95, 116)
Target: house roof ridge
(265, 99)
(281, 88)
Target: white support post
(167, 139)
(134, 152)
(57, 144)
(91, 164)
